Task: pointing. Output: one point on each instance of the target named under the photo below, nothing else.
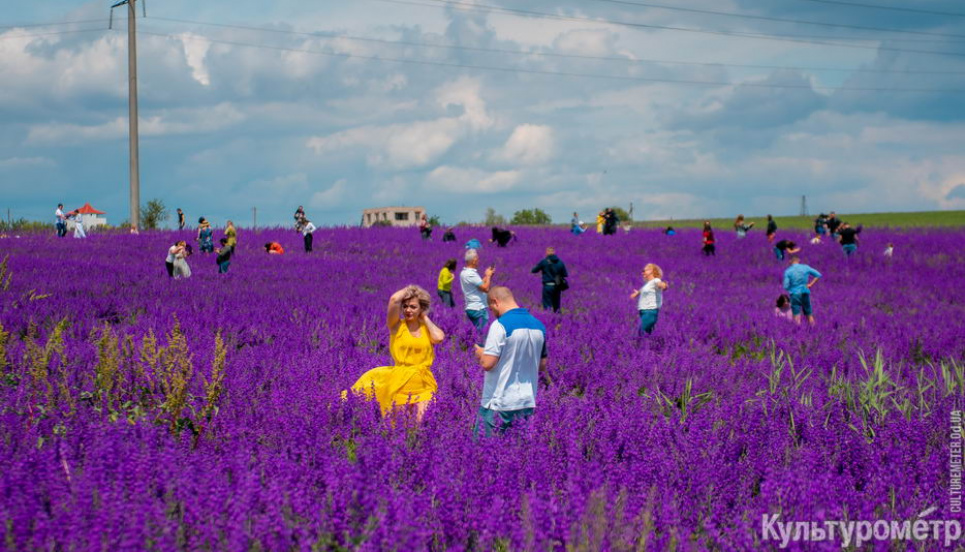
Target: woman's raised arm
(394, 314)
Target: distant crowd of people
(513, 348)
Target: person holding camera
(512, 358)
(474, 289)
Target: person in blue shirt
(576, 225)
(512, 359)
(797, 283)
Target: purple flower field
(144, 413)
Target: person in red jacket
(274, 248)
(708, 236)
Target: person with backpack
(554, 279)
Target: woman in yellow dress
(599, 223)
(409, 384)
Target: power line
(28, 25)
(333, 35)
(892, 8)
(769, 18)
(803, 39)
(551, 73)
(31, 35)
(531, 13)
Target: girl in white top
(79, 226)
(181, 268)
(649, 297)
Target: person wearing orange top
(408, 385)
(274, 248)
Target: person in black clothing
(783, 247)
(771, 229)
(554, 279)
(833, 223)
(821, 225)
(848, 238)
(502, 237)
(449, 236)
(610, 222)
(180, 219)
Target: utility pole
(254, 218)
(804, 206)
(135, 191)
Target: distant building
(90, 217)
(394, 216)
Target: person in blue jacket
(554, 279)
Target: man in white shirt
(474, 290)
(513, 357)
(307, 228)
(61, 220)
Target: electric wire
(801, 39)
(334, 35)
(32, 35)
(54, 24)
(553, 73)
(892, 8)
(769, 18)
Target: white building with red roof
(89, 216)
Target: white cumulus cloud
(528, 145)
(471, 180)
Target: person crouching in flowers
(409, 384)
(649, 297)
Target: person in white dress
(79, 226)
(181, 268)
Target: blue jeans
(479, 318)
(223, 267)
(486, 420)
(648, 319)
(446, 297)
(779, 253)
(849, 249)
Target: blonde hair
(657, 271)
(413, 291)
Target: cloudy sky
(709, 109)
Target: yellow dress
(599, 224)
(410, 381)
